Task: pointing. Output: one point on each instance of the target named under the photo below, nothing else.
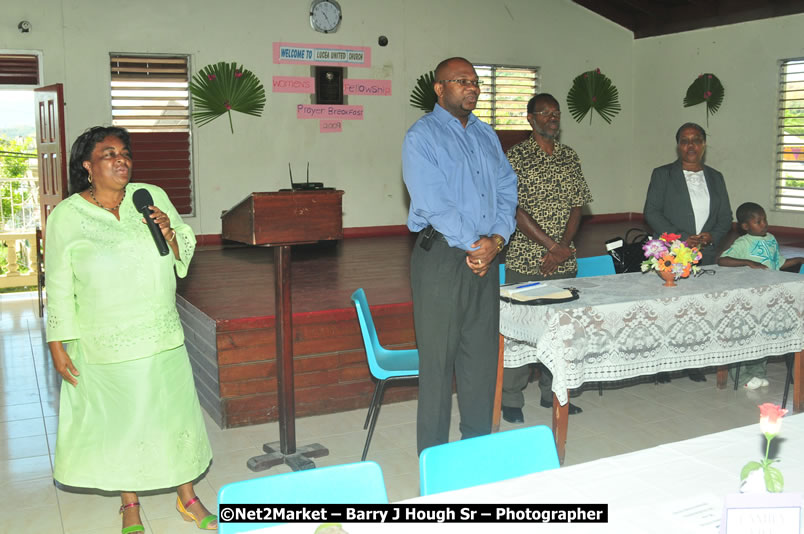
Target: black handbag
(627, 253)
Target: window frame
(40, 70)
(522, 123)
(792, 202)
(168, 130)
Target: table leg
(798, 384)
(497, 407)
(284, 451)
(722, 376)
(560, 420)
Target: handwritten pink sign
(313, 111)
(367, 87)
(330, 126)
(318, 54)
(293, 84)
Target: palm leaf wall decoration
(706, 88)
(593, 90)
(225, 87)
(424, 96)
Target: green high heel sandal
(132, 528)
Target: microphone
(142, 199)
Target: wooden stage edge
(226, 304)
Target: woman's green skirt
(131, 426)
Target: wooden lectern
(281, 219)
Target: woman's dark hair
(690, 125)
(747, 211)
(82, 151)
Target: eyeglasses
(554, 114)
(464, 83)
(705, 271)
(694, 141)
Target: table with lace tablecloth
(630, 325)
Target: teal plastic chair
(355, 483)
(385, 365)
(486, 459)
(801, 269)
(595, 266)
(502, 274)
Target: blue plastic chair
(385, 365)
(595, 266)
(485, 459)
(355, 483)
(801, 269)
(502, 274)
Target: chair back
(595, 266)
(368, 331)
(485, 459)
(355, 483)
(801, 270)
(502, 274)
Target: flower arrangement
(770, 423)
(670, 254)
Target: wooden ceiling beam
(649, 18)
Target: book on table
(528, 291)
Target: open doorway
(19, 194)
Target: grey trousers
(515, 379)
(457, 316)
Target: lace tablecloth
(629, 325)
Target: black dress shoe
(513, 415)
(662, 378)
(697, 376)
(572, 408)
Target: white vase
(754, 482)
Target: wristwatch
(500, 242)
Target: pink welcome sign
(316, 54)
(330, 126)
(367, 87)
(293, 84)
(317, 111)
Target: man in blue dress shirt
(463, 198)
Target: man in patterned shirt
(551, 193)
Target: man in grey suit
(689, 198)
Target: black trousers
(457, 316)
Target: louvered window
(150, 98)
(790, 136)
(504, 95)
(19, 69)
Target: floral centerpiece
(762, 476)
(670, 257)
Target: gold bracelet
(500, 242)
(173, 237)
(551, 248)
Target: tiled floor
(627, 417)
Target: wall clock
(325, 15)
